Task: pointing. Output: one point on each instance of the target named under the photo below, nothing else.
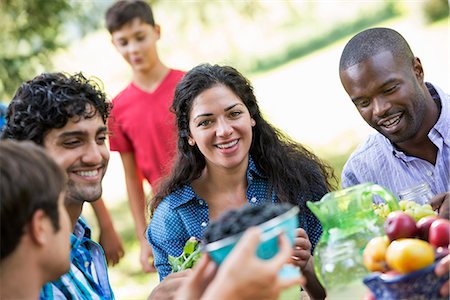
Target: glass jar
(420, 194)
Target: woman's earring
(191, 142)
(253, 122)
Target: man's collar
(435, 95)
(80, 231)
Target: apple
(399, 225)
(439, 234)
(423, 226)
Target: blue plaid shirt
(183, 214)
(88, 275)
(377, 160)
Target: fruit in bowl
(439, 233)
(415, 210)
(421, 284)
(423, 226)
(222, 235)
(399, 224)
(408, 255)
(405, 264)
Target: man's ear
(40, 227)
(418, 70)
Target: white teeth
(391, 121)
(88, 173)
(227, 145)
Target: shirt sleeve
(348, 176)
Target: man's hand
(440, 203)
(442, 268)
(168, 288)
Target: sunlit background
(289, 50)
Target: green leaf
(190, 246)
(191, 254)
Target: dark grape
(237, 221)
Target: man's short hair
(125, 11)
(371, 42)
(48, 102)
(30, 180)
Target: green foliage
(33, 30)
(191, 254)
(321, 38)
(435, 10)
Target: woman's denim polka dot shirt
(183, 214)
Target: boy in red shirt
(142, 127)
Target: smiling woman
(221, 127)
(230, 156)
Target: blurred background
(289, 50)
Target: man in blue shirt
(412, 146)
(67, 116)
(386, 83)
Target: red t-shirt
(141, 123)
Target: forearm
(136, 196)
(136, 201)
(101, 213)
(312, 286)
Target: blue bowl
(418, 285)
(268, 247)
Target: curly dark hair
(48, 101)
(292, 170)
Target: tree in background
(33, 30)
(435, 10)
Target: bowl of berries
(222, 235)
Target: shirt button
(253, 200)
(204, 224)
(429, 173)
(86, 264)
(201, 202)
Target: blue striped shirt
(183, 214)
(377, 160)
(88, 275)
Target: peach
(408, 255)
(374, 254)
